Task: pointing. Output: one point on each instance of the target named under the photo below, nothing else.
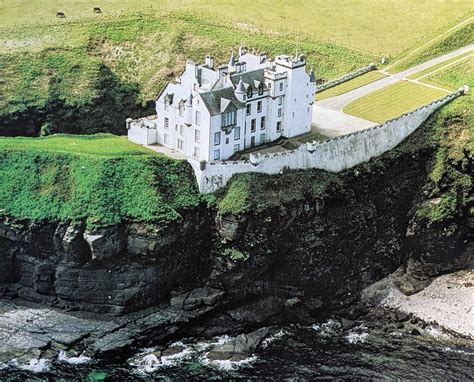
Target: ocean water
(294, 352)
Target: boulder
(239, 347)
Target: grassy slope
(455, 76)
(436, 67)
(101, 179)
(457, 39)
(392, 101)
(355, 83)
(91, 68)
(379, 27)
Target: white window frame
(259, 106)
(197, 136)
(166, 123)
(217, 138)
(217, 154)
(237, 133)
(197, 118)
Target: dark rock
(415, 332)
(402, 316)
(240, 347)
(347, 324)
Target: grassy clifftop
(102, 179)
(89, 76)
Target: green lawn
(379, 27)
(355, 83)
(392, 101)
(440, 65)
(454, 76)
(105, 145)
(100, 179)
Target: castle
(210, 114)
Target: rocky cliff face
(211, 274)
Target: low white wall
(347, 77)
(333, 155)
(142, 131)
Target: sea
(321, 351)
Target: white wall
(332, 155)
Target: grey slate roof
(253, 78)
(213, 100)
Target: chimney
(242, 50)
(223, 70)
(263, 57)
(210, 61)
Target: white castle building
(212, 113)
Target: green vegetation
(106, 145)
(379, 27)
(235, 255)
(100, 179)
(454, 76)
(347, 86)
(454, 136)
(257, 192)
(455, 40)
(443, 64)
(392, 101)
(88, 76)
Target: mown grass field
(104, 145)
(392, 101)
(443, 64)
(454, 76)
(101, 179)
(378, 27)
(347, 86)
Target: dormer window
(249, 92)
(167, 104)
(181, 109)
(260, 89)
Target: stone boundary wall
(332, 155)
(347, 77)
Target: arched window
(260, 89)
(249, 92)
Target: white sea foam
(327, 328)
(148, 362)
(354, 337)
(274, 337)
(82, 359)
(228, 365)
(448, 349)
(436, 331)
(34, 365)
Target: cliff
(304, 245)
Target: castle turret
(188, 117)
(240, 91)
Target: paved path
(339, 102)
(167, 151)
(329, 118)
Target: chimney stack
(210, 61)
